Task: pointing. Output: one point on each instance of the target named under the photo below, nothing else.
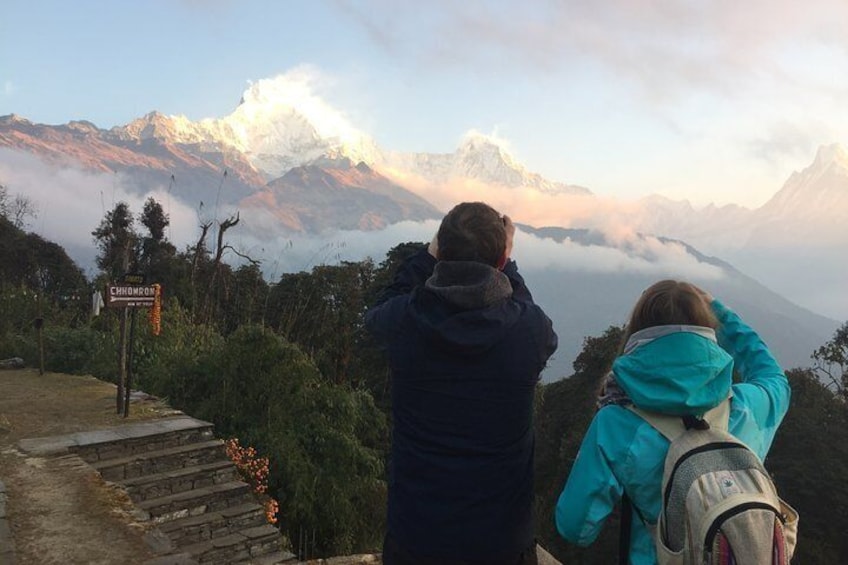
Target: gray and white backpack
(719, 505)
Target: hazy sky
(707, 100)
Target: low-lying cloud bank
(71, 202)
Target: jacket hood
(464, 305)
(676, 370)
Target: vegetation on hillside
(286, 367)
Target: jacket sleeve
(413, 272)
(520, 291)
(546, 337)
(764, 390)
(591, 492)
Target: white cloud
(71, 202)
(661, 44)
(633, 254)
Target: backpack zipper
(725, 516)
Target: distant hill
(584, 303)
(337, 193)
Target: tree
(247, 298)
(158, 259)
(807, 462)
(118, 243)
(154, 218)
(320, 437)
(322, 312)
(564, 410)
(16, 208)
(30, 261)
(117, 240)
(37, 280)
(831, 361)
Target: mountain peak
(156, 125)
(11, 119)
(292, 93)
(818, 195)
(485, 157)
(833, 153)
(475, 142)
(282, 123)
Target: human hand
(510, 235)
(433, 248)
(705, 296)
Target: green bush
(173, 364)
(70, 350)
(19, 344)
(319, 436)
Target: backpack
(719, 505)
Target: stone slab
(227, 541)
(260, 531)
(7, 548)
(275, 558)
(55, 445)
(176, 559)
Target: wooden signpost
(132, 294)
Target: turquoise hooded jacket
(678, 373)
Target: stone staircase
(179, 477)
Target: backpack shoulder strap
(672, 426)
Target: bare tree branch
(255, 262)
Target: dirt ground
(59, 510)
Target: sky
(711, 101)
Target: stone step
(172, 559)
(276, 558)
(244, 546)
(143, 437)
(96, 445)
(262, 540)
(196, 501)
(195, 529)
(180, 480)
(123, 468)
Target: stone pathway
(7, 548)
(184, 488)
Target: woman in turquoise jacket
(681, 349)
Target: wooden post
(39, 326)
(122, 343)
(128, 386)
(122, 360)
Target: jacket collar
(648, 335)
(468, 284)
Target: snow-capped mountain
(479, 157)
(815, 198)
(810, 209)
(280, 124)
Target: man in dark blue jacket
(466, 345)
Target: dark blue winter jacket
(466, 345)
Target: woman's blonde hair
(671, 302)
